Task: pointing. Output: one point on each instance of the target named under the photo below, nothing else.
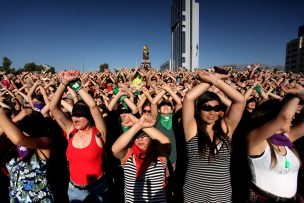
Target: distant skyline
(83, 34)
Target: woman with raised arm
(143, 152)
(86, 133)
(28, 168)
(273, 161)
(208, 132)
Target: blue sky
(86, 33)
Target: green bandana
(124, 128)
(166, 121)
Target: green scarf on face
(166, 121)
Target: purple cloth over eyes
(281, 140)
(38, 107)
(22, 151)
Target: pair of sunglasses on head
(215, 108)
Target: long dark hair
(34, 125)
(204, 141)
(264, 113)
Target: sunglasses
(216, 108)
(146, 111)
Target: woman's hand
(146, 121)
(128, 119)
(67, 76)
(207, 77)
(297, 90)
(23, 113)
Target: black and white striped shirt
(207, 181)
(149, 187)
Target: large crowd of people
(216, 135)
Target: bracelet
(64, 84)
(76, 86)
(252, 87)
(258, 89)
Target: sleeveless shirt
(28, 180)
(149, 187)
(281, 180)
(207, 180)
(85, 164)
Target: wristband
(125, 105)
(76, 86)
(258, 89)
(115, 90)
(122, 98)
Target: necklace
(81, 134)
(286, 161)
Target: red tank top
(85, 164)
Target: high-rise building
(165, 66)
(294, 60)
(184, 34)
(301, 31)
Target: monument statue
(145, 63)
(146, 52)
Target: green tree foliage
(52, 70)
(30, 67)
(6, 65)
(102, 67)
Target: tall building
(294, 60)
(184, 34)
(165, 66)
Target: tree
(102, 67)
(29, 67)
(52, 70)
(6, 65)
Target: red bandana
(143, 159)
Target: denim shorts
(94, 192)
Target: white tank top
(280, 180)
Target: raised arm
(189, 109)
(122, 145)
(154, 103)
(296, 131)
(18, 138)
(237, 106)
(257, 137)
(176, 98)
(31, 92)
(55, 106)
(115, 99)
(95, 112)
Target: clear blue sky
(87, 33)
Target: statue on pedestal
(146, 61)
(146, 53)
